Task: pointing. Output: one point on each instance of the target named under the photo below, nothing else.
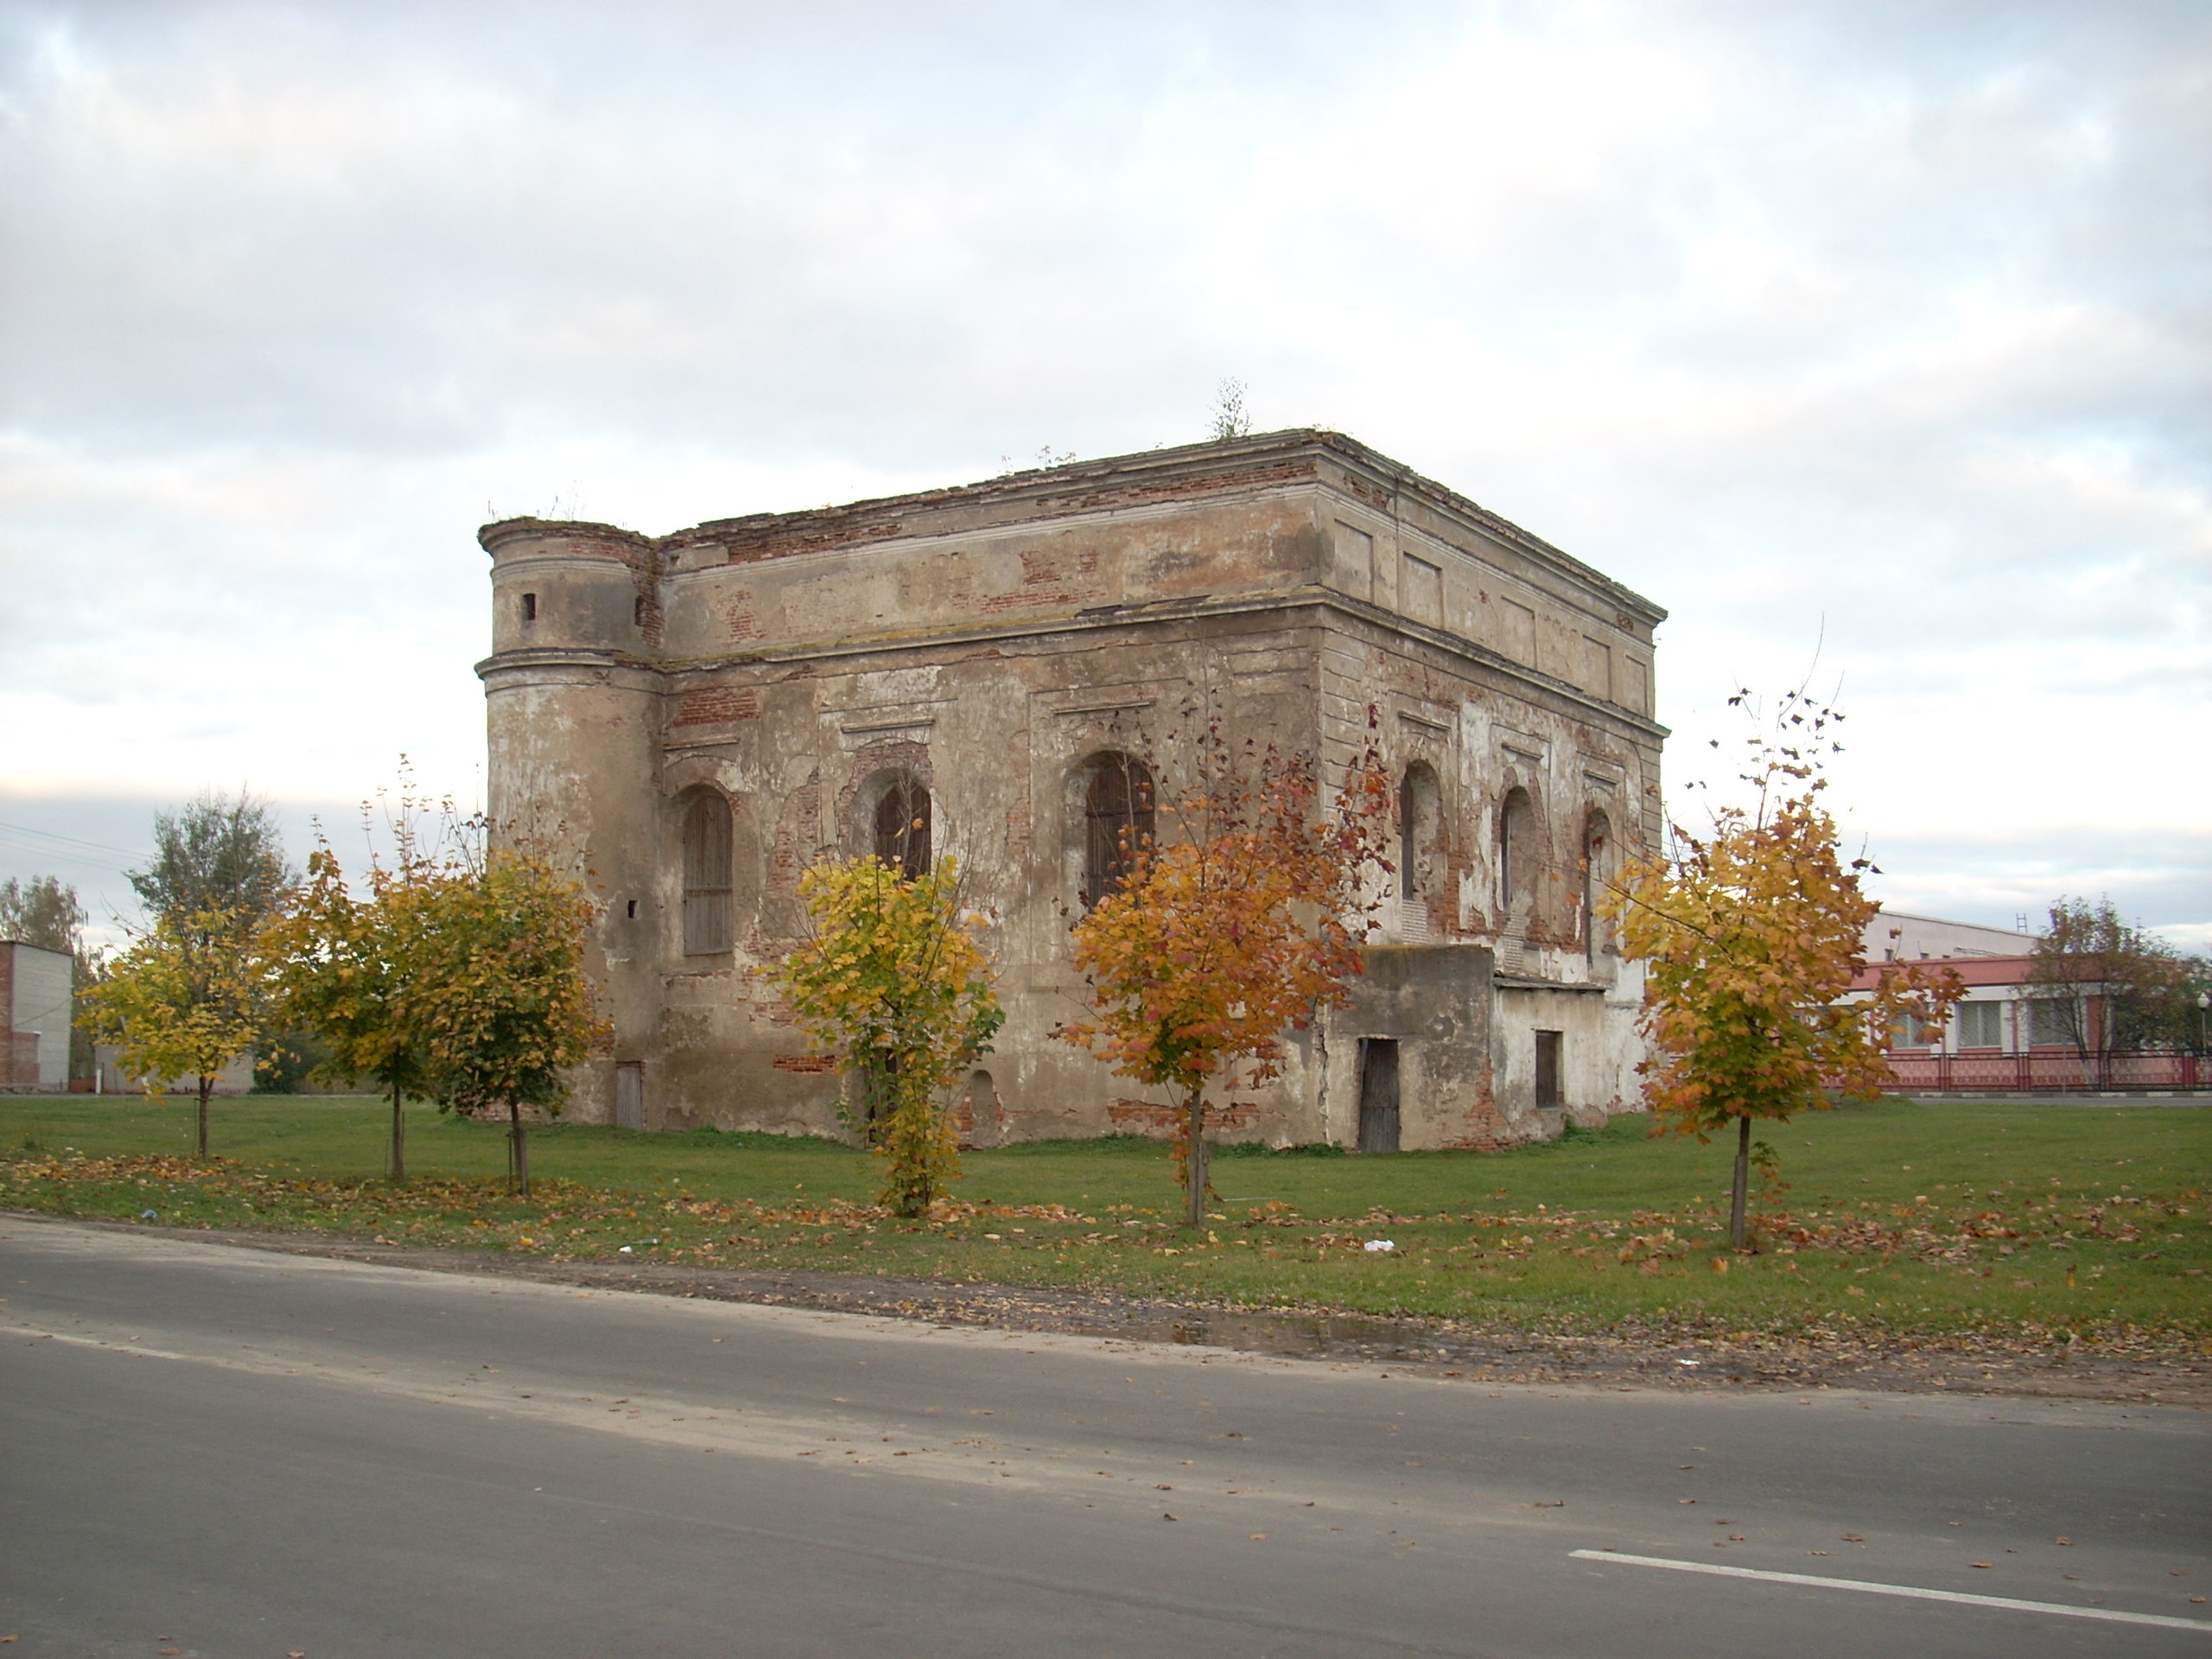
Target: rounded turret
(572, 702)
(559, 586)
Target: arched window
(1597, 866)
(902, 824)
(1419, 805)
(708, 912)
(1119, 822)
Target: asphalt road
(213, 1449)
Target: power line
(75, 841)
(67, 850)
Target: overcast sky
(1882, 329)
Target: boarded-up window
(1119, 821)
(1420, 590)
(902, 824)
(708, 913)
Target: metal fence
(2045, 1072)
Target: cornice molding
(555, 662)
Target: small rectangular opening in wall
(530, 608)
(634, 910)
(630, 1095)
(1548, 1044)
(638, 611)
(1378, 1094)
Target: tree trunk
(398, 1139)
(521, 1145)
(207, 1088)
(1194, 1158)
(1743, 1178)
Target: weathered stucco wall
(991, 642)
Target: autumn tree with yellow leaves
(1751, 936)
(895, 985)
(492, 951)
(190, 994)
(455, 975)
(349, 966)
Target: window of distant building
(2053, 1022)
(1982, 1025)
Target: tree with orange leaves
(1241, 923)
(1751, 936)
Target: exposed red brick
(712, 704)
(19, 1059)
(739, 618)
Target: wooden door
(1378, 1094)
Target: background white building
(35, 992)
(1896, 936)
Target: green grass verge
(2018, 1224)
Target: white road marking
(1911, 1591)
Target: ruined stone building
(983, 671)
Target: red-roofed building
(2006, 1035)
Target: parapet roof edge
(1214, 454)
(1443, 496)
(488, 537)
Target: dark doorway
(1547, 1050)
(1378, 1094)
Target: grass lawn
(2023, 1225)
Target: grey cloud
(1894, 315)
(2158, 878)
